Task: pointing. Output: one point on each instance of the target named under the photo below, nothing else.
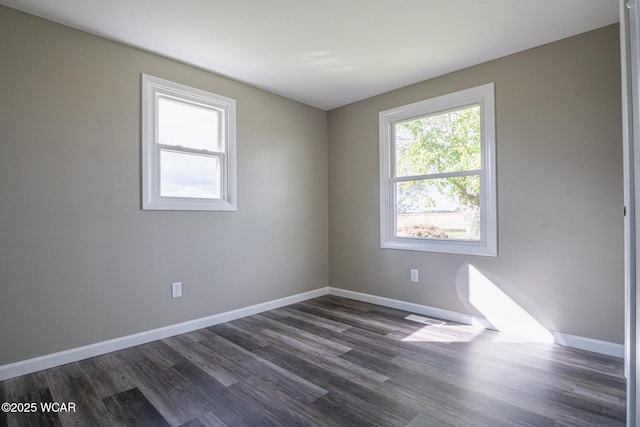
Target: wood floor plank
(69, 385)
(135, 408)
(351, 337)
(292, 384)
(280, 407)
(525, 369)
(165, 388)
(161, 353)
(359, 395)
(207, 419)
(429, 391)
(37, 417)
(339, 414)
(338, 317)
(523, 395)
(228, 407)
(438, 417)
(330, 361)
(105, 376)
(300, 335)
(312, 319)
(211, 362)
(364, 409)
(237, 336)
(517, 366)
(356, 317)
(25, 384)
(351, 305)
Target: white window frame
(487, 245)
(153, 88)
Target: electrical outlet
(176, 289)
(414, 275)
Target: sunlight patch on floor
(444, 334)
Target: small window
(437, 174)
(188, 148)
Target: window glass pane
(445, 142)
(189, 175)
(187, 125)
(447, 208)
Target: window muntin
(188, 124)
(437, 174)
(425, 208)
(189, 175)
(188, 148)
(418, 143)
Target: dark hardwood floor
(329, 362)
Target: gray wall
(80, 262)
(559, 157)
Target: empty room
(330, 213)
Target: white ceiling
(328, 53)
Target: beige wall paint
(80, 262)
(559, 157)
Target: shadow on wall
(490, 296)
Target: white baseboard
(28, 366)
(590, 344)
(75, 354)
(453, 316)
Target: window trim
(152, 89)
(487, 246)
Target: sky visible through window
(195, 127)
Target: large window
(188, 148)
(437, 174)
